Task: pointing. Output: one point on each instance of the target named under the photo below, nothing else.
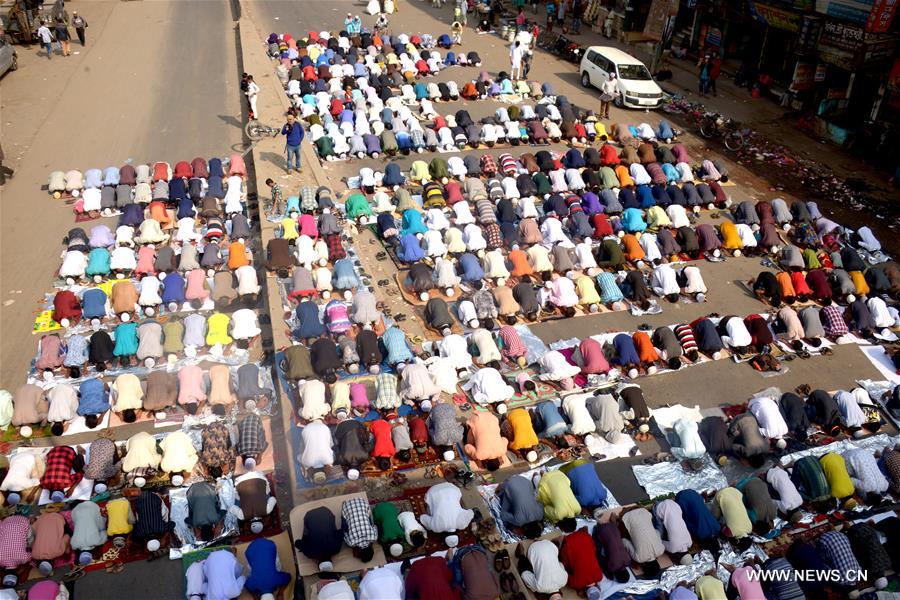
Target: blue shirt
(699, 520)
(93, 398)
(586, 485)
(394, 342)
(126, 340)
(554, 424)
(76, 351)
(294, 133)
(470, 267)
(93, 304)
(264, 577)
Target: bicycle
(257, 131)
(714, 125)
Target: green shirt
(385, 516)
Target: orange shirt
(520, 263)
(624, 176)
(484, 431)
(859, 280)
(730, 236)
(159, 213)
(237, 255)
(787, 287)
(633, 249)
(646, 352)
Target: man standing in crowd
(46, 39)
(80, 24)
(515, 59)
(252, 94)
(294, 132)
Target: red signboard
(880, 17)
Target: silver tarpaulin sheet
(875, 442)
(667, 478)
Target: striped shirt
(513, 346)
(609, 290)
(686, 337)
(152, 516)
(783, 587)
(508, 164)
(488, 165)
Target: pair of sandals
(643, 436)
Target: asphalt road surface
(157, 81)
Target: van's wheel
(14, 64)
(618, 101)
(585, 79)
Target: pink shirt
(146, 261)
(594, 361)
(190, 385)
(308, 226)
(196, 289)
(13, 542)
(748, 589)
(358, 397)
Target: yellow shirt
(730, 503)
(587, 291)
(120, 519)
(289, 229)
(710, 588)
(313, 52)
(555, 493)
(859, 281)
(524, 435)
(836, 473)
(730, 236)
(218, 330)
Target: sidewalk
(763, 115)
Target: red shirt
(579, 556)
(160, 172)
(183, 169)
(430, 578)
(66, 306)
(602, 228)
(58, 474)
(418, 430)
(384, 445)
(799, 283)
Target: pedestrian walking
(61, 26)
(715, 69)
(294, 132)
(561, 13)
(515, 59)
(703, 83)
(551, 14)
(46, 38)
(520, 20)
(252, 94)
(80, 24)
(609, 91)
(526, 63)
(456, 31)
(461, 12)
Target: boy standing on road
(608, 92)
(80, 24)
(46, 38)
(294, 132)
(252, 94)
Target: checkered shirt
(386, 395)
(335, 247)
(356, 521)
(512, 342)
(308, 201)
(13, 542)
(492, 236)
(488, 165)
(782, 589)
(892, 464)
(251, 436)
(58, 474)
(837, 553)
(833, 321)
(866, 544)
(609, 291)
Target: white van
(636, 86)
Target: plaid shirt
(866, 544)
(786, 588)
(335, 247)
(386, 395)
(308, 201)
(833, 321)
(251, 436)
(488, 165)
(891, 460)
(493, 236)
(14, 542)
(837, 553)
(59, 475)
(512, 342)
(356, 522)
(609, 291)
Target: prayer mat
(435, 541)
